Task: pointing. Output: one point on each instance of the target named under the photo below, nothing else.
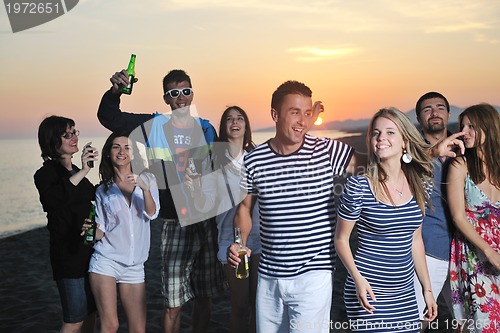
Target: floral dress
(474, 281)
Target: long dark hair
(220, 148)
(486, 122)
(106, 170)
(50, 132)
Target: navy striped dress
(384, 259)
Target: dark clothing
(114, 119)
(67, 206)
(140, 125)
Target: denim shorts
(122, 273)
(76, 299)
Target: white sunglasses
(174, 93)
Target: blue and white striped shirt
(297, 204)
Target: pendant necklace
(400, 192)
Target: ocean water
(20, 208)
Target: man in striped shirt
(292, 177)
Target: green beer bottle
(89, 237)
(131, 74)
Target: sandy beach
(29, 301)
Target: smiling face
(121, 151)
(181, 103)
(293, 120)
(386, 139)
(69, 146)
(235, 124)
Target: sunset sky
(356, 55)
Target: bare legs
(202, 310)
(132, 296)
(172, 320)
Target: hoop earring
(406, 157)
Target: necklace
(400, 192)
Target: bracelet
(429, 290)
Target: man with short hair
(190, 269)
(433, 114)
(292, 177)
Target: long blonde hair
(418, 172)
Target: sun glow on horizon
(318, 121)
(343, 50)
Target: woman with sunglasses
(126, 203)
(66, 195)
(221, 190)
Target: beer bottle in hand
(131, 75)
(242, 271)
(89, 237)
(194, 175)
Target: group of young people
(125, 204)
(281, 194)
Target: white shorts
(122, 273)
(440, 282)
(300, 304)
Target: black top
(66, 206)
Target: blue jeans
(76, 299)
